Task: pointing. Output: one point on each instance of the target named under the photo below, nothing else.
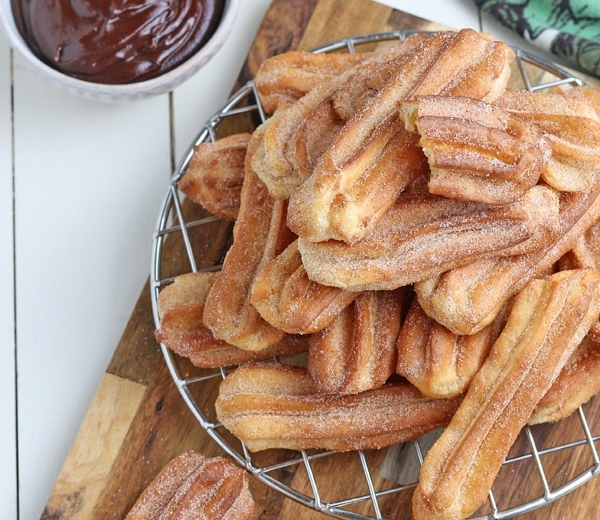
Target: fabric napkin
(569, 29)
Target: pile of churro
(427, 235)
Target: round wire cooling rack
(553, 459)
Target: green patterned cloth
(569, 29)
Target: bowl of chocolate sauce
(117, 49)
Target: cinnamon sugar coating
(195, 487)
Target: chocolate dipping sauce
(116, 41)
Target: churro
(286, 298)
(572, 127)
(215, 175)
(283, 79)
(194, 486)
(422, 236)
(577, 382)
(357, 351)
(547, 321)
(277, 406)
(476, 150)
(259, 234)
(182, 330)
(437, 361)
(275, 159)
(468, 298)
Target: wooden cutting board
(138, 421)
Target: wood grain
(138, 421)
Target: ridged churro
(468, 298)
(275, 160)
(277, 406)
(476, 150)
(286, 298)
(437, 361)
(320, 127)
(182, 330)
(194, 486)
(577, 382)
(215, 175)
(283, 79)
(259, 234)
(422, 236)
(547, 321)
(357, 351)
(572, 127)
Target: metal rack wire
(533, 455)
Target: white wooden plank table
(8, 428)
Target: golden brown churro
(468, 298)
(437, 361)
(476, 150)
(547, 321)
(315, 134)
(577, 382)
(357, 351)
(194, 486)
(259, 234)
(423, 236)
(573, 128)
(585, 253)
(215, 175)
(277, 406)
(286, 298)
(283, 79)
(275, 160)
(182, 330)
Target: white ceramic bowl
(104, 92)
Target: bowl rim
(149, 86)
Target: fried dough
(283, 79)
(357, 351)
(194, 486)
(286, 298)
(423, 236)
(572, 126)
(277, 406)
(275, 159)
(182, 330)
(215, 175)
(547, 321)
(438, 362)
(577, 382)
(592, 94)
(476, 150)
(446, 63)
(320, 127)
(585, 253)
(259, 234)
(467, 298)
